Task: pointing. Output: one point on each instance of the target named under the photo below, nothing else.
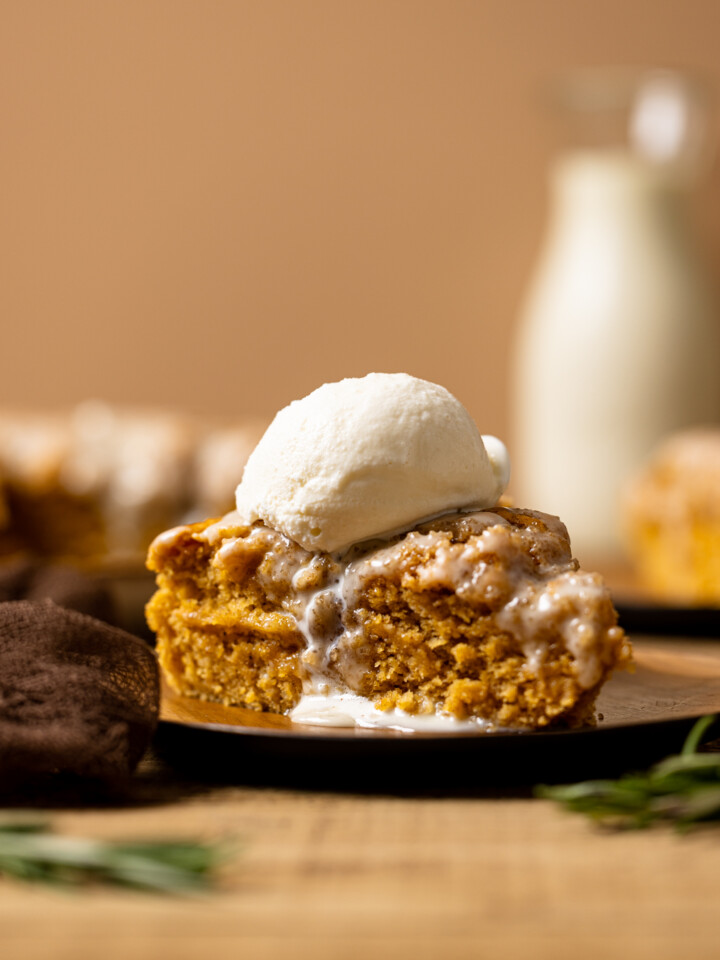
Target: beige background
(219, 204)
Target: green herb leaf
(683, 789)
(30, 851)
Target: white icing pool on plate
(351, 710)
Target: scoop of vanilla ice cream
(366, 457)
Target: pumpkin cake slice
(476, 616)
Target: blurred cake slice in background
(671, 511)
(98, 482)
(42, 516)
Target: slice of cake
(97, 482)
(672, 518)
(368, 566)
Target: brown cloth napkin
(79, 698)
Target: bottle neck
(614, 183)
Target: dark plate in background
(646, 616)
(642, 612)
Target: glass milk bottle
(619, 339)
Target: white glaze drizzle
(535, 597)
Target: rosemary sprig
(30, 851)
(683, 789)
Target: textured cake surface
(483, 615)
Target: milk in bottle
(619, 338)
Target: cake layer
(481, 614)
